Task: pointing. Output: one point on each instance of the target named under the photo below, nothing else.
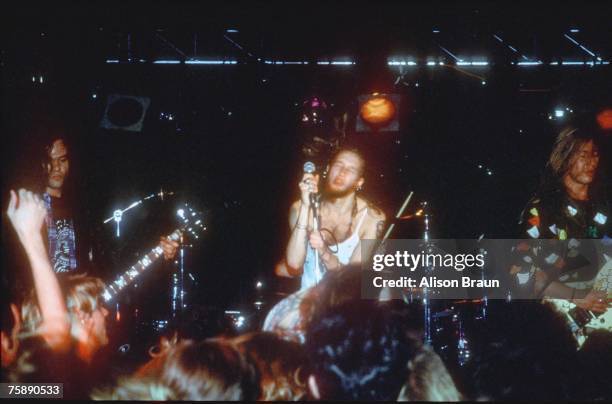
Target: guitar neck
(126, 278)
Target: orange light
(604, 119)
(378, 110)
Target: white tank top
(345, 249)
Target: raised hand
(27, 213)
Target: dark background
(243, 167)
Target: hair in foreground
(82, 294)
(206, 370)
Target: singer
(344, 219)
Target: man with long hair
(345, 219)
(68, 238)
(570, 205)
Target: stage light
(604, 119)
(574, 30)
(94, 96)
(167, 62)
(231, 31)
(483, 82)
(559, 113)
(125, 112)
(378, 112)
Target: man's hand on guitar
(170, 248)
(595, 300)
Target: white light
(480, 63)
(529, 63)
(41, 79)
(436, 31)
(559, 113)
(33, 79)
(231, 31)
(572, 63)
(180, 212)
(574, 30)
(416, 84)
(342, 63)
(258, 284)
(483, 82)
(322, 63)
(431, 63)
(167, 62)
(210, 62)
(441, 63)
(112, 61)
(94, 96)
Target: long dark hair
(567, 144)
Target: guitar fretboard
(135, 270)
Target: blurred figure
(358, 351)
(202, 371)
(281, 365)
(86, 314)
(428, 379)
(135, 389)
(524, 351)
(11, 326)
(595, 362)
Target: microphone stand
(314, 204)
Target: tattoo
(380, 227)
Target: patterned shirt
(61, 236)
(560, 223)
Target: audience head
(206, 370)
(87, 314)
(281, 365)
(358, 351)
(594, 364)
(428, 379)
(525, 350)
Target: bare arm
(374, 227)
(27, 213)
(296, 248)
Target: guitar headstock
(191, 223)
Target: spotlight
(559, 113)
(378, 112)
(604, 119)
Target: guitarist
(64, 247)
(570, 204)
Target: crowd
(341, 347)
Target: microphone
(309, 167)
